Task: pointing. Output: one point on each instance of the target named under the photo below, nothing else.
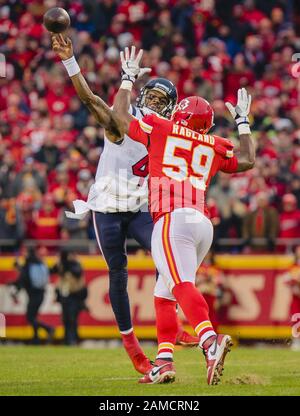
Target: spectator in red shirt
(238, 76)
(289, 226)
(46, 220)
(213, 212)
(252, 14)
(271, 83)
(62, 185)
(30, 26)
(57, 99)
(64, 132)
(136, 13)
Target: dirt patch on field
(246, 379)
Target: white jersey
(121, 178)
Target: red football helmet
(194, 113)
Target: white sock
(163, 355)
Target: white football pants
(180, 241)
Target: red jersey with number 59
(181, 163)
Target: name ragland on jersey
(183, 131)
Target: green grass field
(99, 372)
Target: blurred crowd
(50, 145)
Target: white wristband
(126, 85)
(243, 125)
(244, 129)
(71, 66)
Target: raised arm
(131, 71)
(105, 116)
(246, 156)
(115, 126)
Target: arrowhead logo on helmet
(195, 113)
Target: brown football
(56, 20)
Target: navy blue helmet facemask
(164, 86)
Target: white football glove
(241, 111)
(131, 70)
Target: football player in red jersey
(182, 160)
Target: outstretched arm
(106, 117)
(131, 71)
(246, 157)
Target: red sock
(195, 309)
(131, 344)
(139, 360)
(167, 326)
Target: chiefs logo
(183, 104)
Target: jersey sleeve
(229, 165)
(224, 148)
(141, 130)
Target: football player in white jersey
(118, 199)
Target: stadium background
(50, 146)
